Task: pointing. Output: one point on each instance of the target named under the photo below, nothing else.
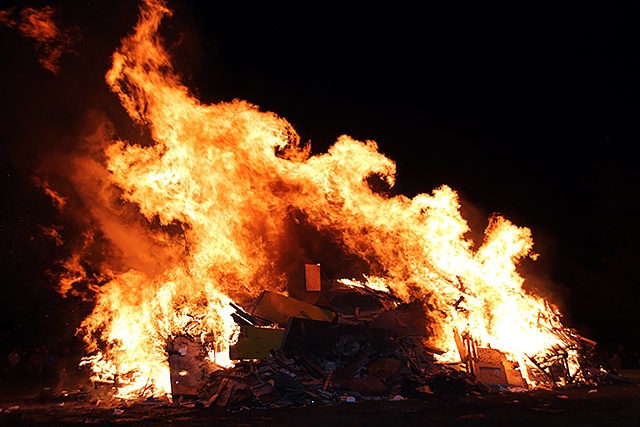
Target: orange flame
(217, 190)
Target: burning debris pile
(193, 240)
(352, 343)
(379, 353)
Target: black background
(526, 110)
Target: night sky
(527, 110)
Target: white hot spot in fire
(222, 188)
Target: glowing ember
(217, 192)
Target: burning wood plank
(312, 278)
(188, 366)
(280, 308)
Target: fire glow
(201, 218)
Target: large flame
(217, 190)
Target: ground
(605, 405)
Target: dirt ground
(606, 405)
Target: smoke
(56, 117)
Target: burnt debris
(348, 343)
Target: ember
(198, 289)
